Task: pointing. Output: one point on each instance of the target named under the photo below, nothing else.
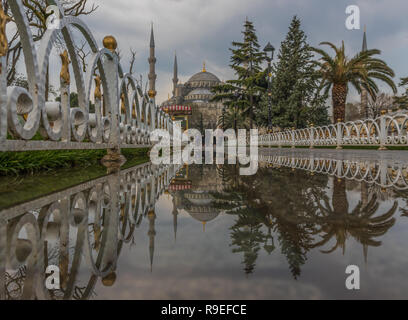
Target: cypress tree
(296, 98)
(244, 93)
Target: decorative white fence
(386, 130)
(81, 228)
(384, 173)
(124, 115)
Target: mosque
(192, 190)
(196, 94)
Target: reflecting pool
(205, 232)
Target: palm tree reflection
(362, 224)
(294, 207)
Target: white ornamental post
(311, 136)
(339, 135)
(383, 131)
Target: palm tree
(360, 71)
(363, 224)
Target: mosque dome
(199, 94)
(203, 214)
(202, 91)
(199, 198)
(203, 79)
(203, 76)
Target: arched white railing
(124, 114)
(382, 172)
(384, 131)
(81, 228)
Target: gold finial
(122, 106)
(98, 93)
(151, 214)
(134, 115)
(204, 225)
(109, 280)
(4, 19)
(110, 43)
(65, 77)
(152, 94)
(204, 70)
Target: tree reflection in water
(362, 223)
(278, 209)
(294, 207)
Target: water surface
(205, 232)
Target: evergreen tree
(296, 99)
(247, 237)
(244, 93)
(402, 101)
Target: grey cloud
(203, 30)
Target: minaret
(151, 234)
(175, 214)
(365, 40)
(152, 63)
(175, 76)
(175, 218)
(364, 93)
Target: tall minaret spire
(151, 234)
(152, 64)
(365, 39)
(364, 93)
(175, 215)
(175, 75)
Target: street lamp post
(236, 94)
(223, 118)
(271, 49)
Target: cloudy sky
(204, 29)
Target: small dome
(201, 91)
(199, 199)
(204, 76)
(203, 214)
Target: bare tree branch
(82, 55)
(132, 61)
(36, 14)
(383, 101)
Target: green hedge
(29, 162)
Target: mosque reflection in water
(291, 206)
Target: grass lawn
(54, 171)
(29, 162)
